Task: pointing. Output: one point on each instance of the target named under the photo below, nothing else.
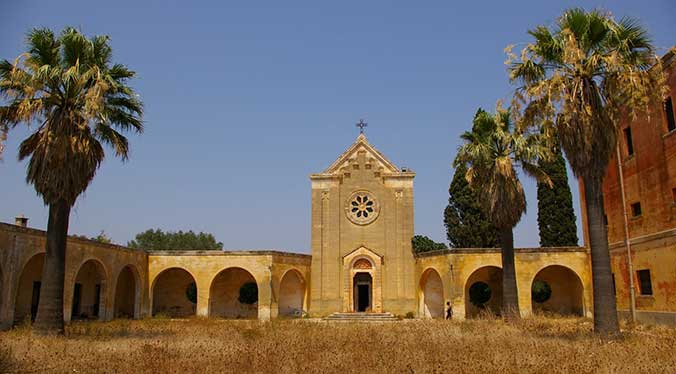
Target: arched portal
(432, 290)
(233, 294)
(483, 291)
(291, 294)
(28, 291)
(363, 292)
(127, 293)
(557, 289)
(174, 293)
(89, 292)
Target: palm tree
(492, 151)
(577, 79)
(78, 100)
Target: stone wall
(105, 281)
(90, 264)
(218, 276)
(566, 270)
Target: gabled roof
(361, 144)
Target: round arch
(557, 289)
(28, 289)
(291, 294)
(174, 293)
(432, 294)
(127, 293)
(89, 291)
(233, 294)
(362, 262)
(483, 291)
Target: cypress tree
(556, 217)
(467, 226)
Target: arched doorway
(432, 289)
(363, 292)
(127, 293)
(89, 292)
(483, 292)
(557, 289)
(28, 290)
(233, 294)
(174, 294)
(362, 269)
(291, 294)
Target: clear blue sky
(245, 99)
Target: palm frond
(114, 139)
(82, 102)
(43, 47)
(579, 77)
(491, 153)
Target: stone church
(361, 264)
(362, 225)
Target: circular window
(540, 291)
(479, 293)
(362, 208)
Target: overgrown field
(544, 345)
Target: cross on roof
(361, 124)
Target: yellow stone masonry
(361, 261)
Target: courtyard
(535, 344)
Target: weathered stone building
(361, 261)
(648, 163)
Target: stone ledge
(463, 251)
(264, 252)
(217, 252)
(643, 239)
(31, 231)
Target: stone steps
(361, 317)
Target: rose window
(362, 208)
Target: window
(636, 209)
(669, 113)
(605, 219)
(673, 195)
(629, 141)
(645, 285)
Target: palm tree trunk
(49, 319)
(510, 293)
(605, 308)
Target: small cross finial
(361, 124)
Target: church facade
(362, 225)
(361, 261)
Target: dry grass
(544, 345)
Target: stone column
(266, 304)
(202, 308)
(458, 300)
(6, 306)
(525, 302)
(11, 274)
(523, 285)
(105, 301)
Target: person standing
(449, 310)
